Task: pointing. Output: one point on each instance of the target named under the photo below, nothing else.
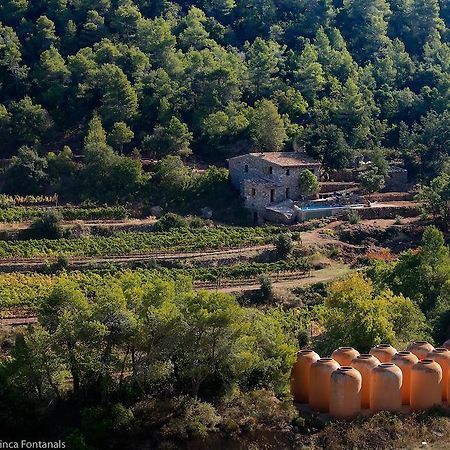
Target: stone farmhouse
(268, 182)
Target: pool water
(320, 207)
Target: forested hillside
(215, 78)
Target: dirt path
(24, 264)
(333, 272)
(114, 223)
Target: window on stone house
(288, 172)
(270, 170)
(253, 192)
(272, 195)
(246, 168)
(287, 192)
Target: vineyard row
(128, 243)
(29, 289)
(22, 213)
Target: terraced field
(19, 290)
(132, 243)
(23, 213)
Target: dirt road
(334, 271)
(26, 264)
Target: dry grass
(388, 431)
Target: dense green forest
(215, 78)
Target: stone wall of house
(287, 177)
(257, 195)
(237, 170)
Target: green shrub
(353, 217)
(169, 221)
(76, 441)
(266, 288)
(48, 227)
(195, 421)
(284, 245)
(246, 411)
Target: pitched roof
(284, 159)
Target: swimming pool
(322, 207)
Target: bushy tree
(48, 227)
(355, 314)
(27, 173)
(365, 25)
(120, 135)
(284, 244)
(172, 138)
(267, 127)
(106, 175)
(29, 121)
(371, 179)
(264, 61)
(308, 183)
(435, 199)
(169, 221)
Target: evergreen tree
(267, 127)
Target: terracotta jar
(364, 364)
(405, 361)
(345, 393)
(320, 381)
(420, 348)
(384, 352)
(442, 357)
(300, 375)
(385, 388)
(426, 380)
(345, 355)
(448, 389)
(446, 344)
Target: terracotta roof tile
(285, 159)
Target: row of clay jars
(418, 387)
(388, 393)
(325, 385)
(324, 394)
(406, 361)
(311, 375)
(420, 350)
(384, 383)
